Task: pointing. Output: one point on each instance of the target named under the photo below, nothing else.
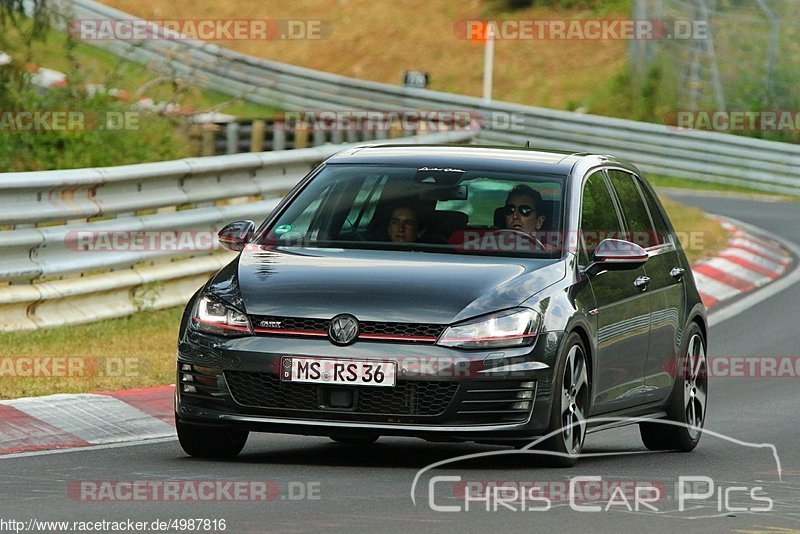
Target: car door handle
(642, 282)
(677, 273)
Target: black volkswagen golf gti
(466, 293)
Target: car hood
(380, 285)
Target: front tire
(571, 394)
(210, 442)
(689, 400)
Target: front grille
(299, 326)
(401, 329)
(419, 398)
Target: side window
(662, 233)
(599, 217)
(637, 219)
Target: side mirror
(236, 235)
(616, 255)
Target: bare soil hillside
(379, 39)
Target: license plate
(339, 372)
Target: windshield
(458, 211)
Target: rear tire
(689, 400)
(210, 442)
(571, 399)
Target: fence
(200, 194)
(696, 155)
(51, 280)
(282, 133)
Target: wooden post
(301, 136)
(396, 130)
(208, 140)
(257, 136)
(196, 139)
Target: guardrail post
(278, 135)
(232, 138)
(257, 136)
(319, 138)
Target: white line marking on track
(734, 269)
(752, 258)
(93, 418)
(89, 448)
(714, 288)
(757, 297)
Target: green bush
(104, 131)
(107, 131)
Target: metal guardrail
(49, 283)
(697, 155)
(50, 279)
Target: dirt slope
(379, 39)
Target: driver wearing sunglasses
(522, 209)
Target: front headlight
(511, 328)
(213, 317)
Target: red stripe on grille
(290, 332)
(396, 338)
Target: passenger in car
(410, 223)
(405, 225)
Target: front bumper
(441, 393)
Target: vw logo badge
(343, 329)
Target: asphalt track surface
(367, 489)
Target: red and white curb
(65, 421)
(748, 262)
(82, 420)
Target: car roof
(475, 157)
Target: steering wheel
(526, 235)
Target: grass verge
(138, 351)
(129, 352)
(696, 185)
